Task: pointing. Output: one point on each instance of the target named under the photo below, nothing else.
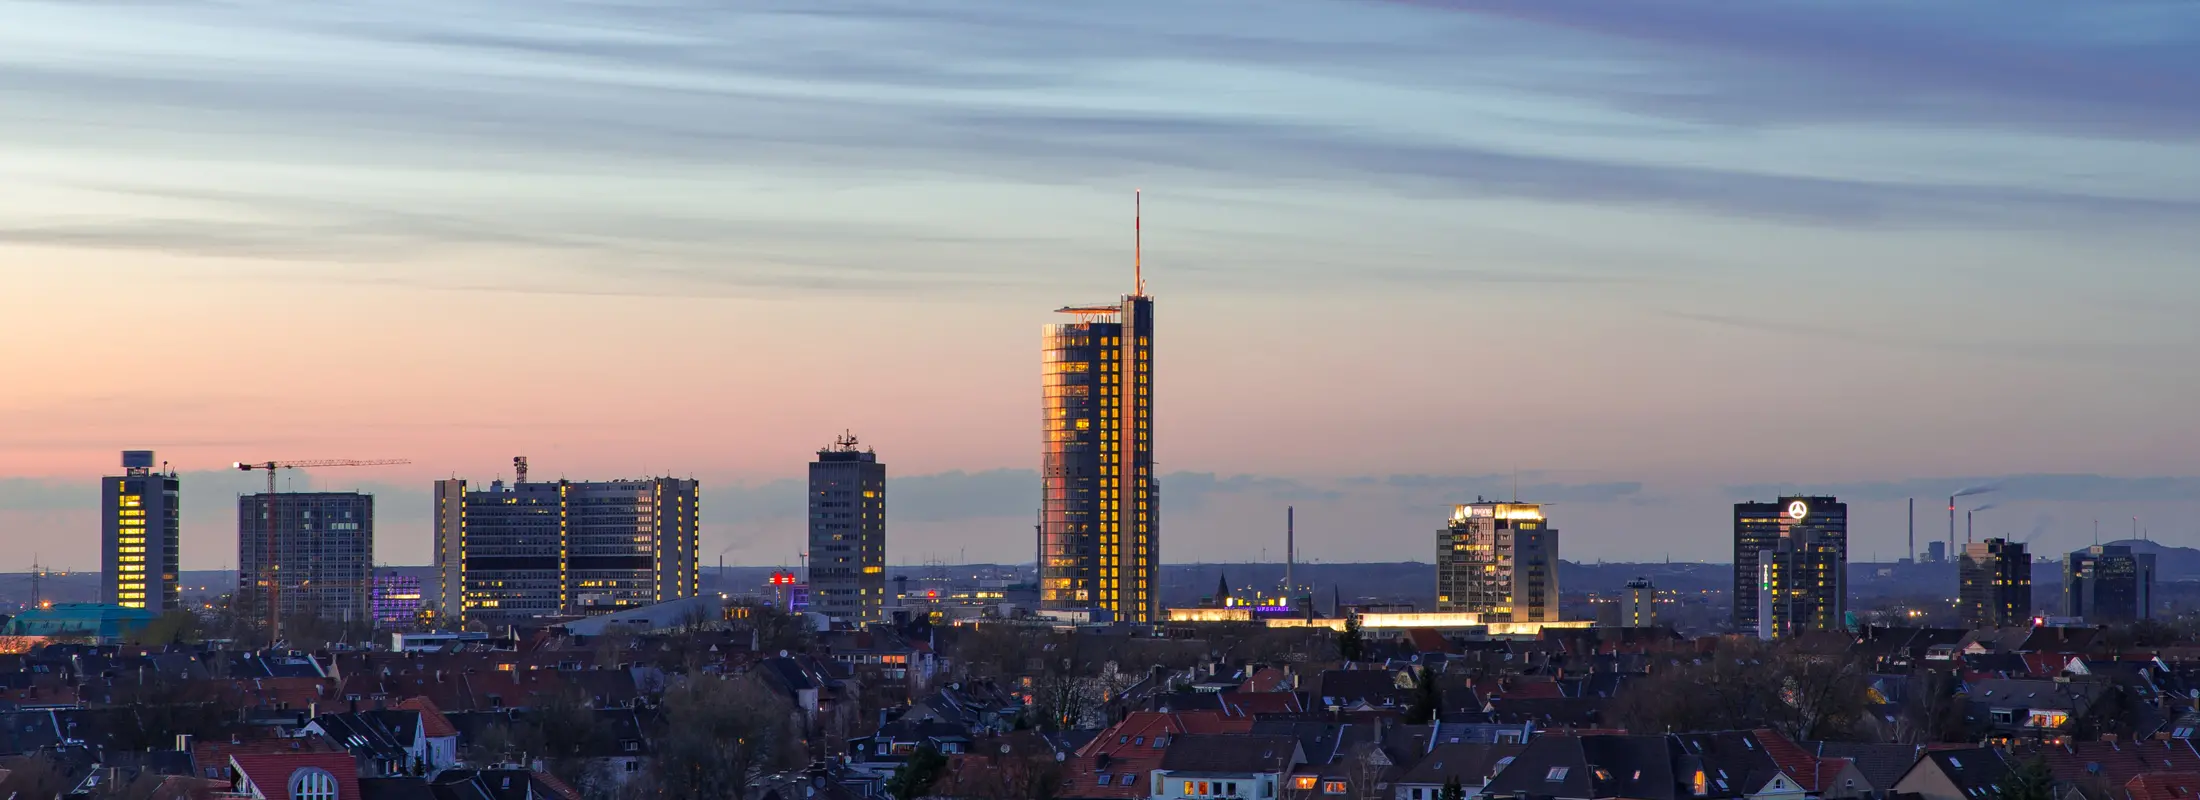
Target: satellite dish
(782, 654)
(1004, 749)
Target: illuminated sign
(1798, 510)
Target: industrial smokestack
(1951, 526)
(1967, 525)
(1913, 530)
(1290, 545)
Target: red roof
(270, 773)
(1814, 774)
(2164, 786)
(1427, 640)
(1531, 688)
(1248, 703)
(2118, 762)
(297, 694)
(212, 757)
(432, 721)
(1131, 750)
(1266, 679)
(560, 788)
(2046, 665)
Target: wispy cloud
(471, 96)
(2118, 69)
(2055, 350)
(2067, 488)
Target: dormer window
(312, 784)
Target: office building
(520, 550)
(1498, 560)
(140, 535)
(848, 533)
(2108, 583)
(1100, 511)
(1791, 566)
(396, 599)
(1638, 604)
(322, 561)
(1996, 588)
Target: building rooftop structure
(100, 621)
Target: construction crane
(274, 590)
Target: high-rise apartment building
(1100, 509)
(1791, 566)
(848, 533)
(1996, 584)
(323, 557)
(141, 536)
(2108, 583)
(1499, 560)
(1638, 604)
(520, 550)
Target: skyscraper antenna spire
(1138, 241)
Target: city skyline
(1966, 276)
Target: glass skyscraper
(2108, 583)
(1100, 512)
(1791, 566)
(1499, 560)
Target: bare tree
(723, 733)
(1803, 694)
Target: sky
(1638, 260)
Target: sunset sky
(1643, 259)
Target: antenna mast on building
(1138, 241)
(519, 469)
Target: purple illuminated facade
(396, 599)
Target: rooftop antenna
(1138, 240)
(519, 469)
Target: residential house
(1206, 766)
(1880, 764)
(1591, 767)
(2019, 710)
(883, 752)
(1975, 773)
(294, 776)
(1119, 763)
(1472, 764)
(374, 741)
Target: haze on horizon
(1643, 260)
